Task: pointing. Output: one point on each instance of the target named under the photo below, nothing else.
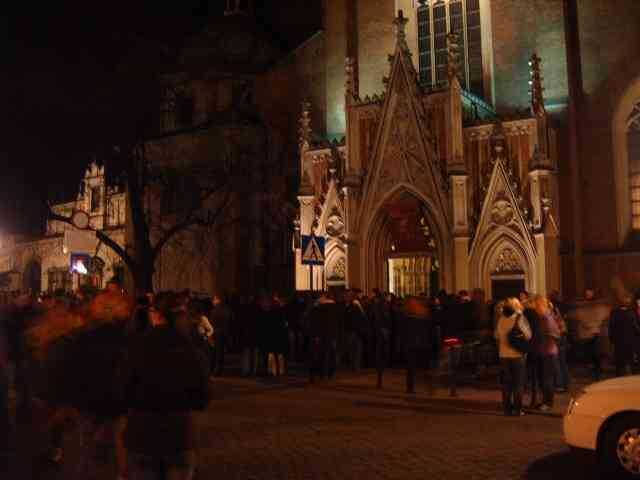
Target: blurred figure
(322, 349)
(381, 322)
(547, 349)
(221, 321)
(164, 381)
(414, 331)
(140, 321)
(512, 361)
(4, 383)
(561, 368)
(591, 316)
(355, 330)
(247, 318)
(278, 338)
(623, 334)
(21, 317)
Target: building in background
(45, 264)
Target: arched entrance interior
(32, 278)
(502, 266)
(403, 256)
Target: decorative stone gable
(501, 209)
(403, 153)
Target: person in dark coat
(263, 333)
(381, 326)
(355, 325)
(533, 358)
(164, 380)
(220, 319)
(277, 336)
(321, 332)
(414, 331)
(247, 325)
(623, 334)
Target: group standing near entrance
(132, 373)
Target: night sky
(60, 56)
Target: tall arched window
(437, 18)
(633, 148)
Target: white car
(605, 418)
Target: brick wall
(376, 40)
(521, 27)
(609, 37)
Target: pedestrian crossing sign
(312, 250)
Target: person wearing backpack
(513, 335)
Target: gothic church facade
(472, 144)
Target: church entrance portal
(406, 247)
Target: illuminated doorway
(413, 275)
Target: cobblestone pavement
(263, 429)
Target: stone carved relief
(338, 271)
(507, 262)
(335, 225)
(502, 212)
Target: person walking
(590, 318)
(624, 335)
(512, 360)
(163, 381)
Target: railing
(476, 110)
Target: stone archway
(503, 256)
(335, 266)
(621, 122)
(405, 228)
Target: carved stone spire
(541, 158)
(401, 25)
(453, 56)
(304, 132)
(536, 89)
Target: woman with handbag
(513, 334)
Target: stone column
(459, 189)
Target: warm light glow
(79, 267)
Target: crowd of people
(140, 368)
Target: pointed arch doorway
(404, 254)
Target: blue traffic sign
(312, 250)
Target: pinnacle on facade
(453, 56)
(535, 86)
(351, 83)
(400, 23)
(498, 142)
(304, 138)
